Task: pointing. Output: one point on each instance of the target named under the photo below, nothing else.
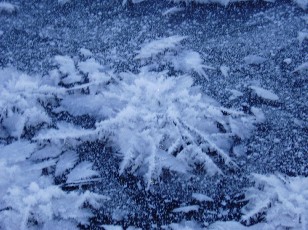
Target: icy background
(153, 115)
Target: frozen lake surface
(249, 57)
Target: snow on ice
(6, 7)
(264, 93)
(96, 134)
(156, 47)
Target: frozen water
(84, 64)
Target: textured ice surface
(113, 36)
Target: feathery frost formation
(282, 200)
(153, 121)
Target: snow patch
(185, 225)
(301, 68)
(305, 18)
(201, 197)
(112, 227)
(172, 10)
(66, 64)
(225, 70)
(90, 66)
(82, 171)
(67, 68)
(156, 47)
(51, 151)
(6, 7)
(239, 150)
(17, 151)
(288, 61)
(137, 1)
(302, 3)
(188, 61)
(235, 94)
(260, 117)
(302, 35)
(228, 225)
(85, 52)
(264, 93)
(64, 131)
(63, 2)
(284, 200)
(66, 162)
(186, 209)
(254, 60)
